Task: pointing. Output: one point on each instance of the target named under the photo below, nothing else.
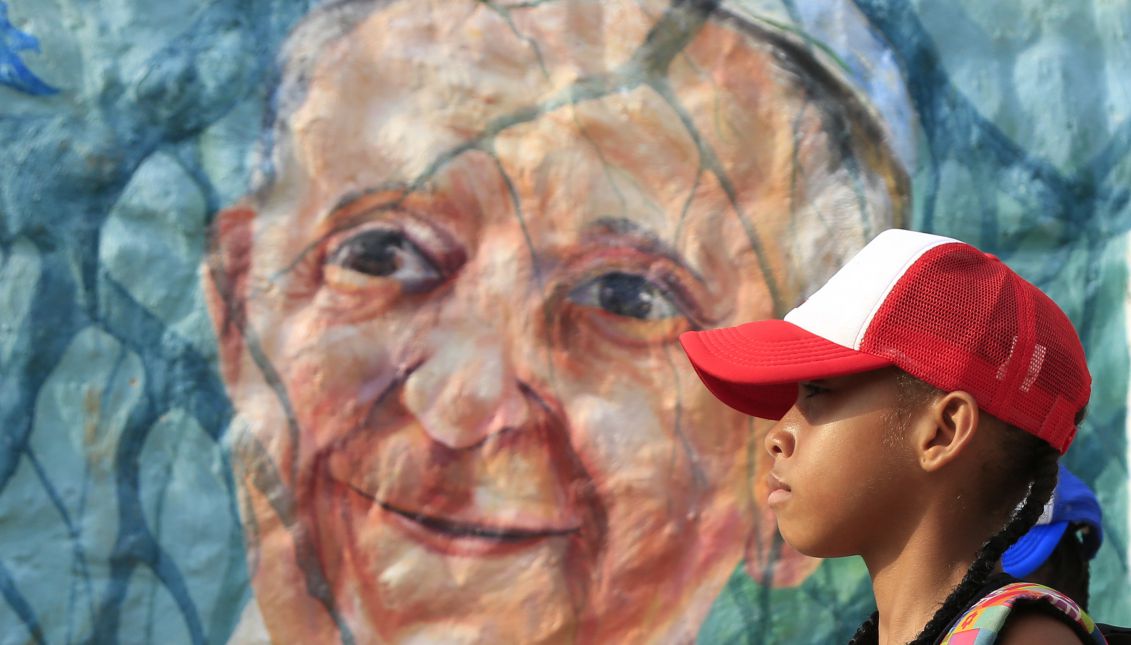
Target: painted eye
(383, 254)
(628, 295)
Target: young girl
(924, 393)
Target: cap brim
(755, 367)
(1032, 549)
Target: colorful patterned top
(984, 621)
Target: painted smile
(464, 536)
(457, 529)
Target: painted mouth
(458, 529)
(468, 529)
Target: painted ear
(947, 429)
(224, 275)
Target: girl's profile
(923, 395)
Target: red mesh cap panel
(960, 319)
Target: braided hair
(1029, 459)
(868, 632)
(1040, 490)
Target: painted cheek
(387, 462)
(334, 375)
(636, 464)
(311, 385)
(713, 429)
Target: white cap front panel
(841, 310)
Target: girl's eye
(810, 390)
(628, 295)
(385, 254)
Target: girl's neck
(913, 579)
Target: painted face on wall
(449, 324)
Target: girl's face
(842, 481)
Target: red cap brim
(755, 367)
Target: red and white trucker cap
(939, 309)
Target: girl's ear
(224, 279)
(947, 428)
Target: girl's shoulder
(984, 621)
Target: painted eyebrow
(399, 191)
(344, 203)
(642, 238)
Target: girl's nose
(779, 440)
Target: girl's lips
(779, 490)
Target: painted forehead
(425, 82)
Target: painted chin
(465, 535)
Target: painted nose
(465, 392)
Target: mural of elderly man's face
(448, 324)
